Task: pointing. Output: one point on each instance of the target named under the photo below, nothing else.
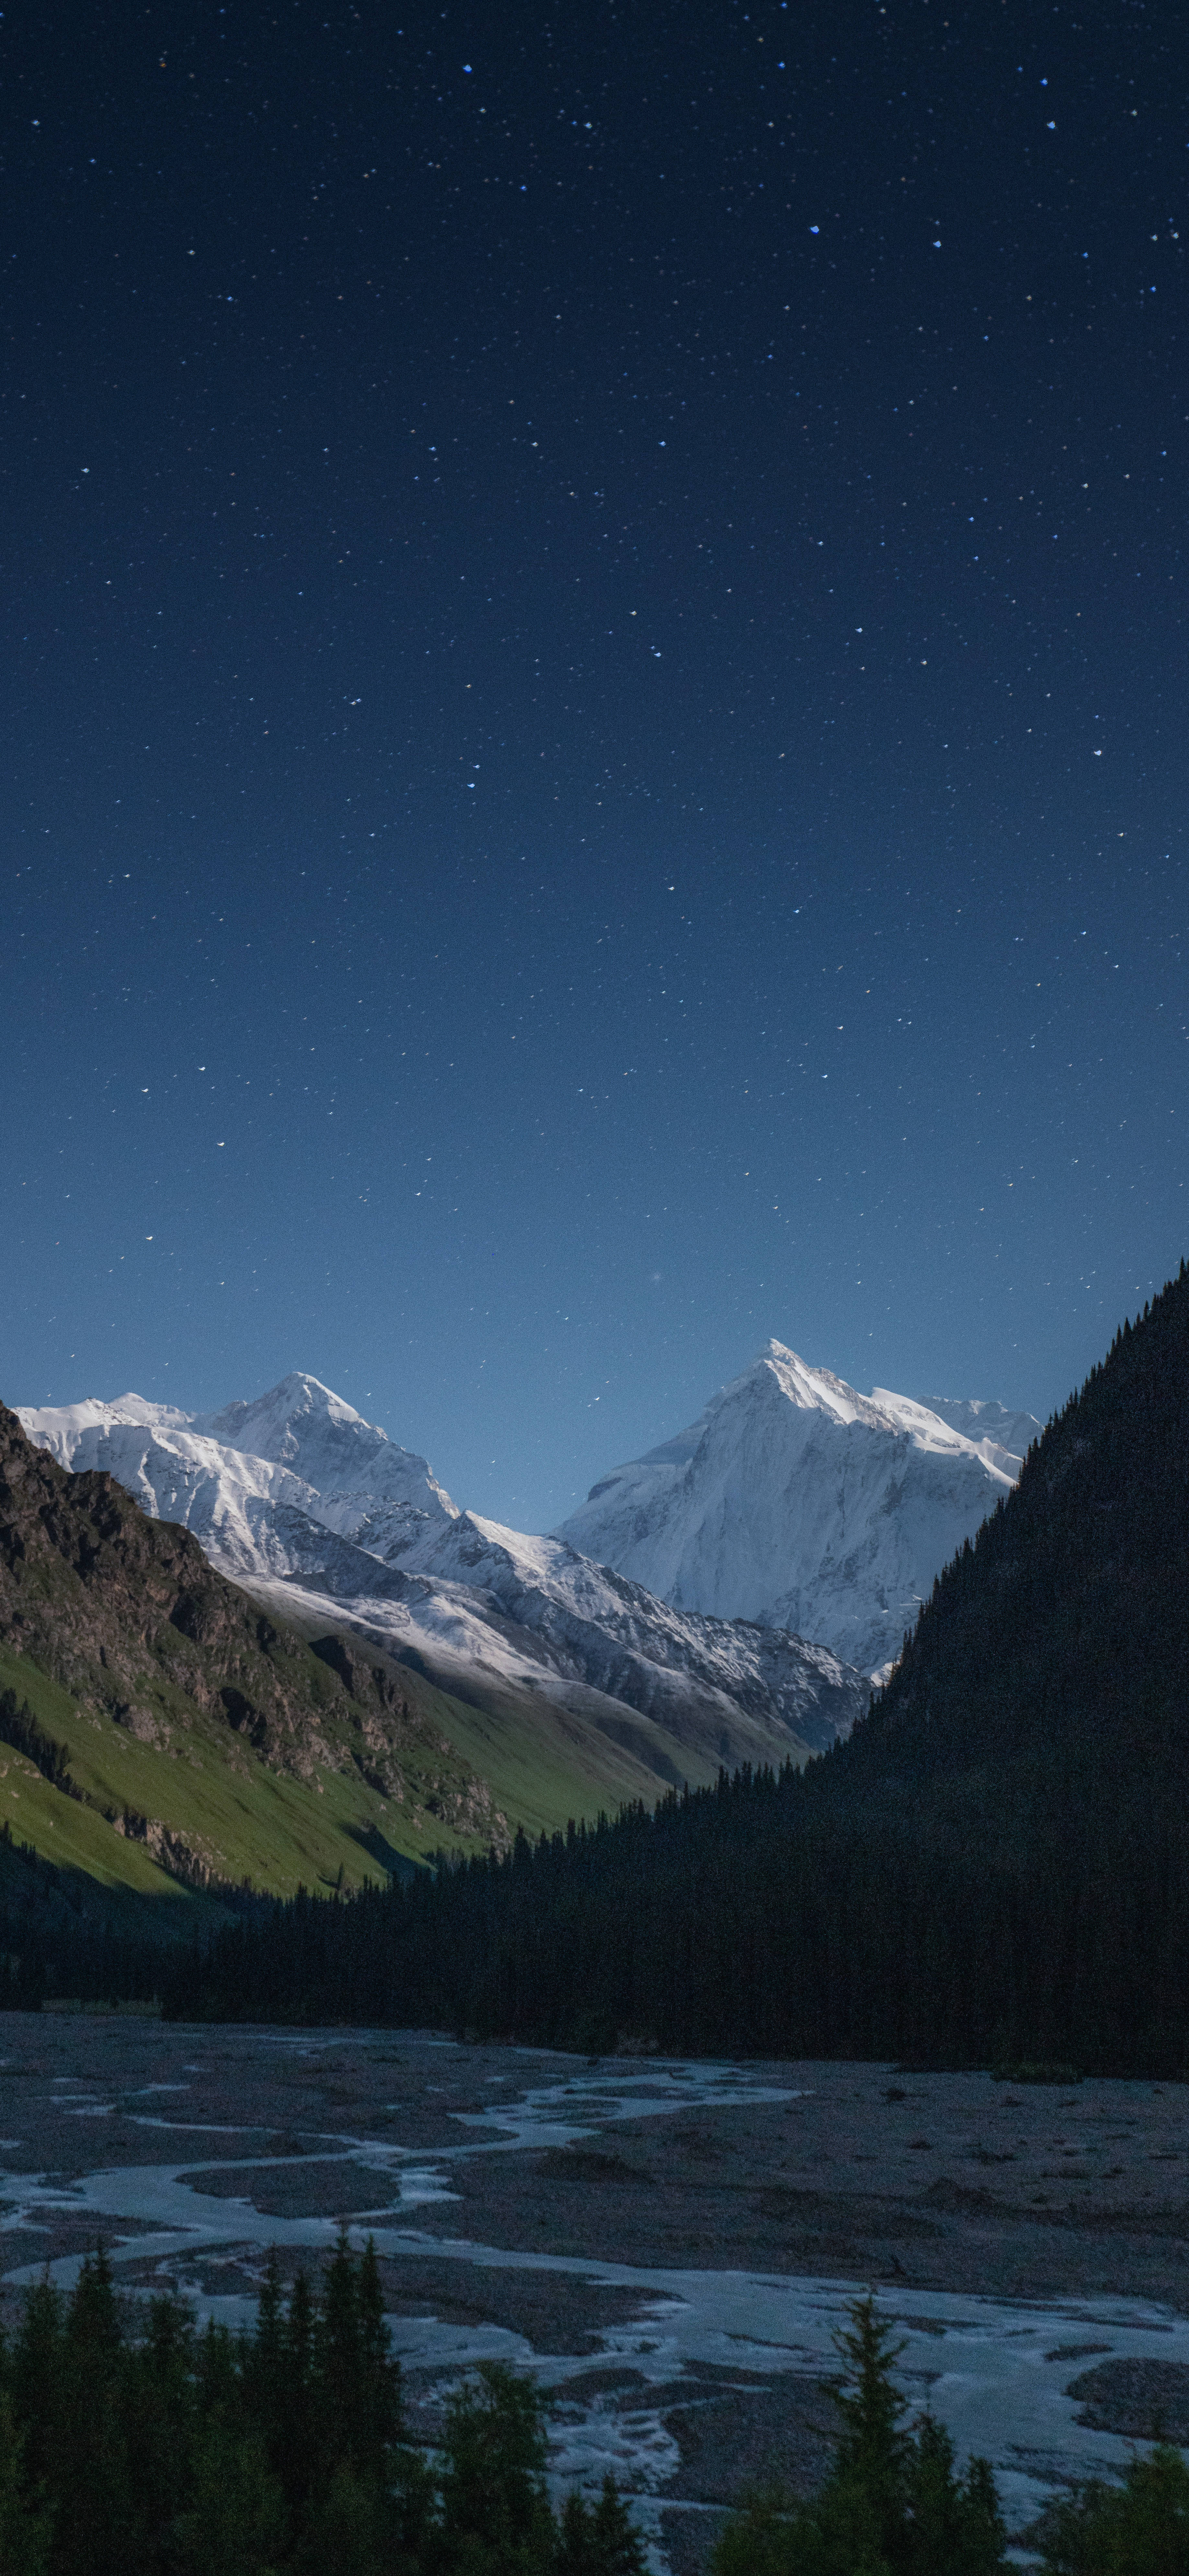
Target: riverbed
(668, 2245)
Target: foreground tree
(495, 2512)
(892, 2504)
(599, 2540)
(128, 2440)
(1138, 2529)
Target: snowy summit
(795, 1501)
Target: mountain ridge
(795, 1501)
(143, 1644)
(460, 1596)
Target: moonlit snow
(793, 1509)
(330, 1522)
(797, 1502)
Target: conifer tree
(156, 2383)
(872, 2448)
(495, 2516)
(892, 2505)
(233, 2523)
(24, 2524)
(91, 2534)
(346, 2531)
(599, 2540)
(35, 2372)
(155, 2449)
(336, 2359)
(956, 2527)
(1138, 2529)
(381, 2414)
(297, 2453)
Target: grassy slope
(547, 1755)
(546, 1764)
(249, 1821)
(210, 1790)
(230, 1743)
(72, 1836)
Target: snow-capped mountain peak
(303, 1425)
(797, 1502)
(268, 1425)
(793, 1508)
(60, 1427)
(811, 1390)
(299, 1448)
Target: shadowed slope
(1062, 1631)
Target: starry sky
(595, 763)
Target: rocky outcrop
(128, 1615)
(124, 1612)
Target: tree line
(132, 2441)
(128, 2439)
(755, 1919)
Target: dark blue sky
(594, 637)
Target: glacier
(999, 1434)
(796, 1502)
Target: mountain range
(498, 1677)
(322, 1517)
(793, 1504)
(159, 1728)
(990, 1872)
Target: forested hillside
(994, 1867)
(1060, 1635)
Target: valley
(432, 1680)
(282, 1738)
(802, 1974)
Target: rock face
(470, 1602)
(128, 1615)
(796, 1502)
(727, 1689)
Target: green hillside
(209, 1743)
(214, 1810)
(546, 1763)
(210, 1808)
(545, 1755)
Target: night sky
(595, 761)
